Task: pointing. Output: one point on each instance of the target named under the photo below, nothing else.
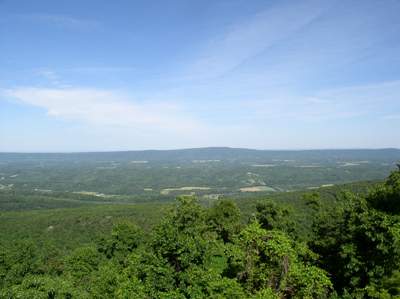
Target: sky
(86, 75)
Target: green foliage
(224, 218)
(391, 284)
(271, 216)
(322, 246)
(387, 196)
(81, 263)
(358, 244)
(104, 281)
(42, 287)
(312, 200)
(125, 237)
(23, 260)
(272, 260)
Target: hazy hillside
(212, 153)
(206, 172)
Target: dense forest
(349, 248)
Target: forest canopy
(351, 250)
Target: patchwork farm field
(208, 172)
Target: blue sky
(106, 75)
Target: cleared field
(92, 193)
(257, 189)
(210, 170)
(166, 191)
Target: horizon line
(201, 148)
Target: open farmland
(162, 175)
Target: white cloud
(58, 20)
(100, 69)
(248, 39)
(105, 108)
(50, 76)
(118, 123)
(391, 117)
(369, 101)
(295, 47)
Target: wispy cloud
(291, 47)
(248, 39)
(369, 100)
(169, 124)
(57, 78)
(105, 108)
(391, 117)
(297, 67)
(60, 20)
(101, 69)
(50, 76)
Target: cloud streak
(248, 39)
(60, 20)
(104, 108)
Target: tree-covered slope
(351, 249)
